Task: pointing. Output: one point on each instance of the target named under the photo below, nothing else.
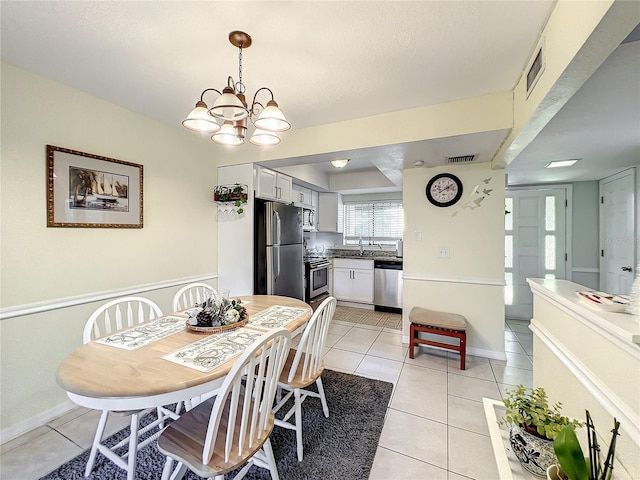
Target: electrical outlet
(443, 252)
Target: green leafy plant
(236, 194)
(574, 465)
(530, 409)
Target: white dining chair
(304, 367)
(191, 294)
(231, 429)
(110, 317)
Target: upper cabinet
(272, 185)
(330, 212)
(304, 197)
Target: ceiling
(328, 62)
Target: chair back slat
(110, 317)
(191, 294)
(246, 397)
(311, 344)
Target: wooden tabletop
(101, 371)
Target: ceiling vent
(461, 159)
(535, 68)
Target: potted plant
(572, 463)
(235, 194)
(535, 424)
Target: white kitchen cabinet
(330, 212)
(314, 199)
(353, 280)
(303, 196)
(272, 185)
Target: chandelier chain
(240, 87)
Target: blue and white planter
(535, 453)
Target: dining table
(161, 361)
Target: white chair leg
(298, 406)
(166, 471)
(96, 440)
(178, 473)
(133, 448)
(323, 399)
(271, 460)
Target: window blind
(379, 222)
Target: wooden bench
(438, 323)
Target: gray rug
(339, 447)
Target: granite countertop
(384, 255)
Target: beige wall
(470, 282)
(41, 264)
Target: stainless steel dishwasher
(387, 284)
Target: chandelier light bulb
(199, 120)
(264, 138)
(228, 106)
(272, 119)
(227, 135)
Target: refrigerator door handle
(276, 263)
(276, 217)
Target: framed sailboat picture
(86, 190)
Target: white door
(535, 244)
(617, 232)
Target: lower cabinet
(353, 280)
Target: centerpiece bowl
(217, 314)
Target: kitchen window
(376, 222)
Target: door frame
(601, 233)
(568, 239)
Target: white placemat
(275, 317)
(213, 350)
(143, 335)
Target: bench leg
(412, 336)
(463, 351)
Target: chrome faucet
(360, 246)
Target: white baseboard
(14, 431)
(364, 306)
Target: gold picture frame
(91, 191)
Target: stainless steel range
(316, 277)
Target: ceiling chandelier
(229, 116)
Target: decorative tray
(211, 330)
(605, 302)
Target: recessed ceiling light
(561, 163)
(340, 163)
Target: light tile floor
(435, 426)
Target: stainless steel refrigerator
(279, 267)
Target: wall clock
(444, 190)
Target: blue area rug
(339, 447)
